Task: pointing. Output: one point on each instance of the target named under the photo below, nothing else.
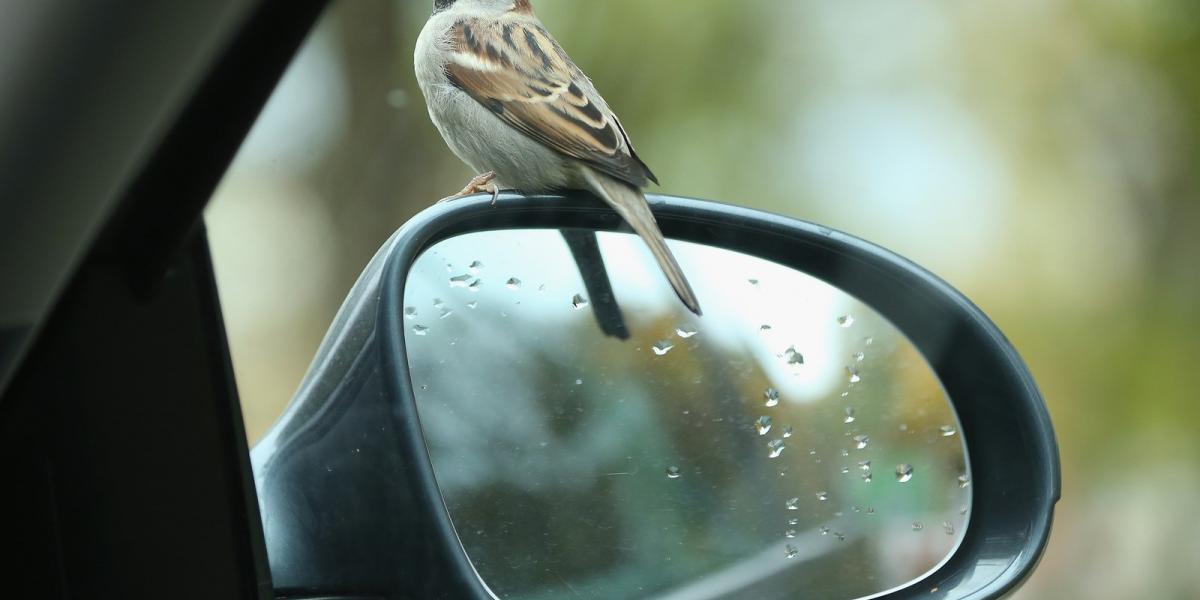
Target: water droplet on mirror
(790, 551)
(420, 330)
(438, 303)
(845, 452)
(841, 537)
(824, 530)
(853, 375)
(864, 465)
(673, 472)
(904, 473)
(789, 533)
(868, 341)
(788, 431)
(513, 283)
(685, 332)
(793, 357)
(776, 447)
(867, 477)
(475, 267)
(823, 496)
(752, 282)
(772, 397)
(861, 441)
(662, 347)
(948, 527)
(793, 521)
(849, 415)
(793, 504)
(859, 356)
(964, 481)
(473, 304)
(579, 302)
(948, 430)
(845, 320)
(410, 312)
(461, 281)
(763, 425)
(845, 470)
(765, 329)
(445, 313)
(916, 526)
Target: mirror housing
(347, 490)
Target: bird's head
(486, 6)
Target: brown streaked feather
(520, 73)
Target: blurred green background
(1043, 156)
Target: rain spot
(948, 430)
(852, 374)
(673, 472)
(861, 441)
(849, 418)
(776, 447)
(793, 504)
(823, 496)
(438, 303)
(964, 481)
(793, 521)
(790, 551)
(685, 332)
(904, 473)
(824, 530)
(513, 284)
(420, 330)
(948, 527)
(845, 320)
(473, 304)
(662, 347)
(475, 285)
(867, 477)
(579, 302)
(864, 465)
(793, 357)
(445, 313)
(765, 329)
(461, 281)
(789, 533)
(859, 356)
(788, 431)
(917, 526)
(763, 425)
(410, 312)
(475, 267)
(753, 282)
(772, 397)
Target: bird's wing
(515, 69)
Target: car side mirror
(512, 403)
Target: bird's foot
(484, 182)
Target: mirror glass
(791, 443)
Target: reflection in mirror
(789, 444)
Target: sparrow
(513, 106)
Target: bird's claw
(484, 182)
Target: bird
(514, 107)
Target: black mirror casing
(350, 504)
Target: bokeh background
(1043, 156)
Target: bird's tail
(631, 205)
